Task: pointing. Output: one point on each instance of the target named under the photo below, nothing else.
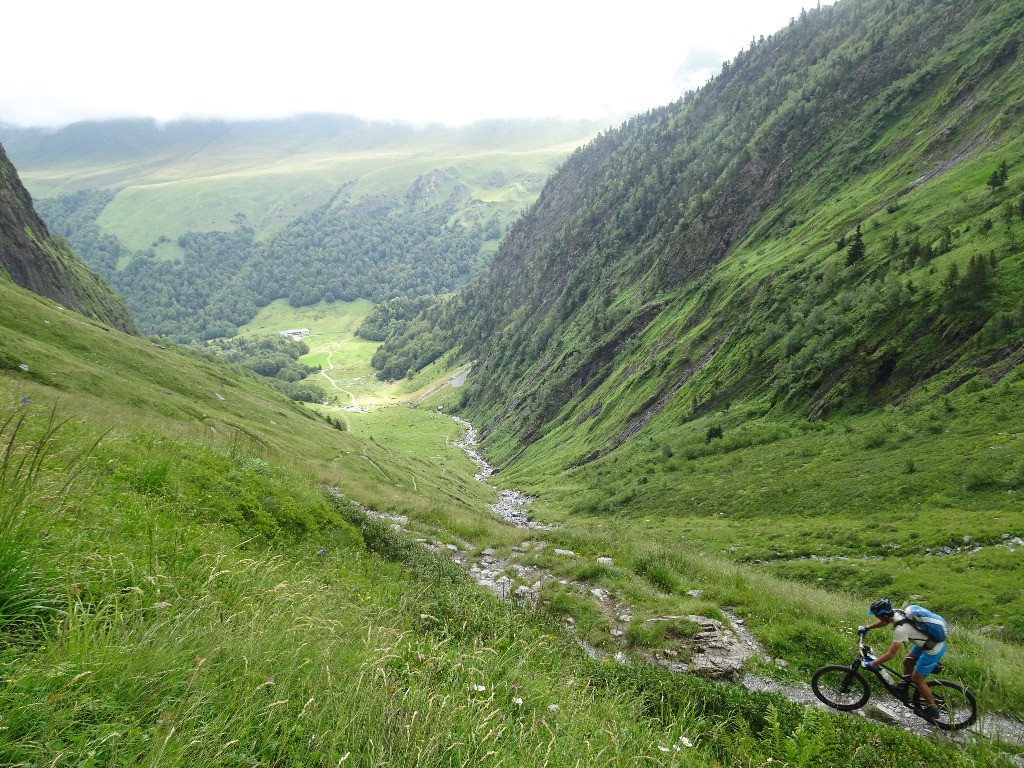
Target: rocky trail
(708, 647)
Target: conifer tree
(999, 176)
(856, 251)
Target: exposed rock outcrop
(32, 259)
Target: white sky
(451, 61)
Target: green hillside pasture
(116, 378)
(268, 197)
(397, 463)
(332, 342)
(503, 183)
(68, 177)
(188, 636)
(108, 378)
(403, 450)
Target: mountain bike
(845, 688)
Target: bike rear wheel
(957, 706)
(840, 687)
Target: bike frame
(903, 695)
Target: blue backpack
(928, 623)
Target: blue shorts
(926, 662)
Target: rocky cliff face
(35, 261)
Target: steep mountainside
(830, 224)
(33, 260)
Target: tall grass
(30, 502)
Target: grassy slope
(214, 608)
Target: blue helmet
(881, 607)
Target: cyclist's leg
(910, 660)
(925, 665)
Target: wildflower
(479, 688)
(322, 552)
(553, 707)
(271, 681)
(25, 401)
(663, 749)
(518, 701)
(685, 741)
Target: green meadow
(332, 340)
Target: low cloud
(700, 63)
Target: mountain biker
(919, 661)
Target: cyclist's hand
(862, 630)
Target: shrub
(658, 572)
(978, 479)
(1014, 479)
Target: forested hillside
(198, 224)
(780, 321)
(379, 248)
(830, 224)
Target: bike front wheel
(957, 706)
(840, 687)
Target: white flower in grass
(553, 707)
(685, 741)
(479, 688)
(518, 701)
